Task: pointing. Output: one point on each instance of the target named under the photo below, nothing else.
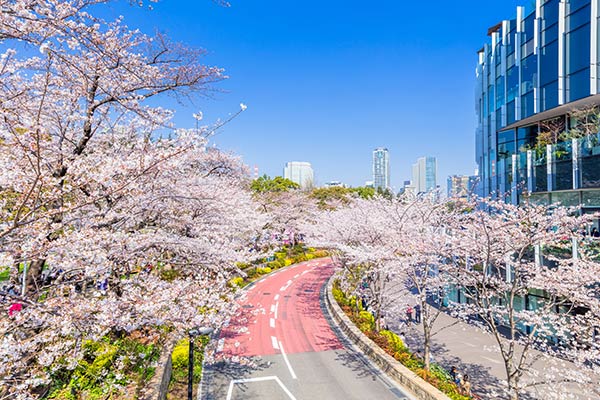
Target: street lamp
(193, 333)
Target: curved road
(282, 346)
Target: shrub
(339, 296)
(263, 270)
(394, 342)
(287, 262)
(366, 321)
(275, 264)
(238, 281)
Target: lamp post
(193, 333)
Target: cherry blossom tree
(391, 251)
(119, 221)
(525, 285)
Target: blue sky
(328, 81)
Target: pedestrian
(458, 378)
(466, 386)
(409, 314)
(595, 232)
(382, 323)
(418, 313)
(453, 373)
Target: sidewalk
(476, 354)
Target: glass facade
(528, 74)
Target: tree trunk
(426, 346)
(34, 275)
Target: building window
(529, 74)
(550, 96)
(527, 105)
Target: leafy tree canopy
(266, 184)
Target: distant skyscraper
(424, 175)
(381, 168)
(462, 186)
(299, 172)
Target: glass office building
(536, 100)
(381, 168)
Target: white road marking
(286, 286)
(492, 360)
(272, 322)
(276, 297)
(272, 308)
(260, 379)
(276, 309)
(274, 342)
(305, 272)
(297, 275)
(287, 362)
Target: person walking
(409, 315)
(418, 313)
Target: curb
(418, 387)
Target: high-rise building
(538, 93)
(462, 186)
(424, 175)
(381, 168)
(299, 172)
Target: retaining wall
(418, 387)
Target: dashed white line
(276, 297)
(286, 286)
(276, 309)
(287, 361)
(273, 308)
(274, 342)
(297, 275)
(272, 322)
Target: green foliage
(394, 341)
(107, 365)
(169, 274)
(265, 184)
(4, 273)
(237, 281)
(263, 270)
(339, 295)
(327, 195)
(366, 321)
(180, 359)
(364, 192)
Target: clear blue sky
(328, 81)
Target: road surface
(282, 346)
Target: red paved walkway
(283, 310)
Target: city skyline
(330, 92)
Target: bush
(287, 262)
(366, 321)
(276, 264)
(263, 270)
(238, 281)
(394, 342)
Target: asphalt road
(282, 346)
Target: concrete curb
(159, 384)
(419, 388)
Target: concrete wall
(419, 388)
(158, 386)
